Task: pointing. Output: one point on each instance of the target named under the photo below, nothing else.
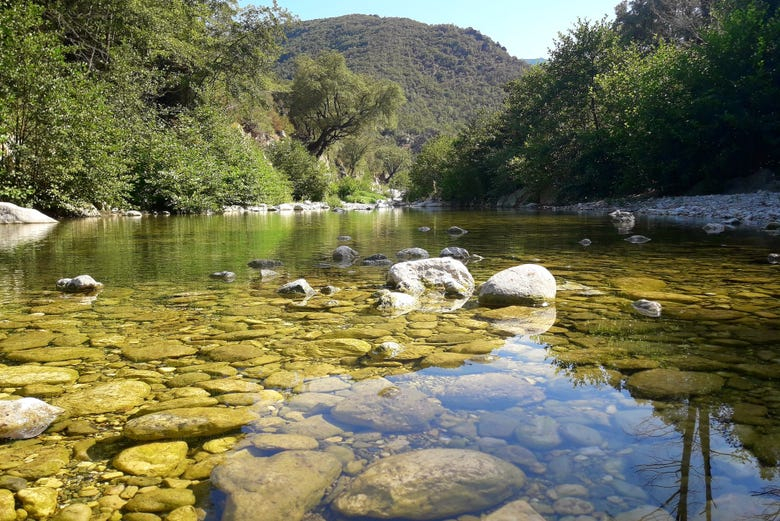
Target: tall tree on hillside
(327, 102)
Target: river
(607, 413)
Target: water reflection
(15, 235)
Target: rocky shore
(752, 210)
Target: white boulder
(523, 285)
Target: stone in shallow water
(486, 390)
(648, 308)
(187, 423)
(538, 432)
(56, 354)
(515, 511)
(382, 406)
(160, 500)
(669, 383)
(153, 459)
(21, 375)
(106, 397)
(524, 285)
(454, 482)
(161, 351)
(26, 417)
(26, 340)
(33, 461)
(280, 488)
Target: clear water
(708, 456)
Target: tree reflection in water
(688, 476)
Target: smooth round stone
(187, 423)
(178, 403)
(648, 308)
(330, 348)
(572, 506)
(526, 284)
(668, 383)
(280, 488)
(153, 459)
(515, 511)
(580, 434)
(455, 482)
(185, 513)
(538, 432)
(382, 406)
(160, 500)
(74, 512)
(500, 390)
(21, 375)
(279, 442)
(106, 397)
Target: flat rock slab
(187, 423)
(114, 396)
(669, 383)
(56, 354)
(280, 488)
(21, 375)
(13, 214)
(157, 352)
(454, 482)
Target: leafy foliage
(679, 112)
(447, 73)
(309, 176)
(327, 102)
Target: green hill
(448, 74)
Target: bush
(308, 176)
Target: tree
(307, 174)
(327, 102)
(389, 161)
(430, 167)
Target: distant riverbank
(754, 210)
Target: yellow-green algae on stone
(161, 459)
(188, 423)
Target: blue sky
(527, 28)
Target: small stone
(26, 417)
(298, 286)
(80, 284)
(773, 258)
(7, 505)
(585, 242)
(160, 500)
(153, 459)
(227, 276)
(638, 239)
(648, 308)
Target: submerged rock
(638, 239)
(105, 397)
(26, 417)
(773, 258)
(161, 459)
(527, 284)
(79, 284)
(455, 482)
(713, 228)
(669, 383)
(585, 242)
(456, 230)
(192, 422)
(282, 487)
(384, 407)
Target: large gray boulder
(12, 214)
(280, 488)
(455, 482)
(26, 417)
(523, 285)
(79, 284)
(434, 285)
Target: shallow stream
(608, 413)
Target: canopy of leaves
(327, 102)
(448, 74)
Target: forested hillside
(448, 74)
(673, 97)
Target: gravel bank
(753, 210)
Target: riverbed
(605, 412)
